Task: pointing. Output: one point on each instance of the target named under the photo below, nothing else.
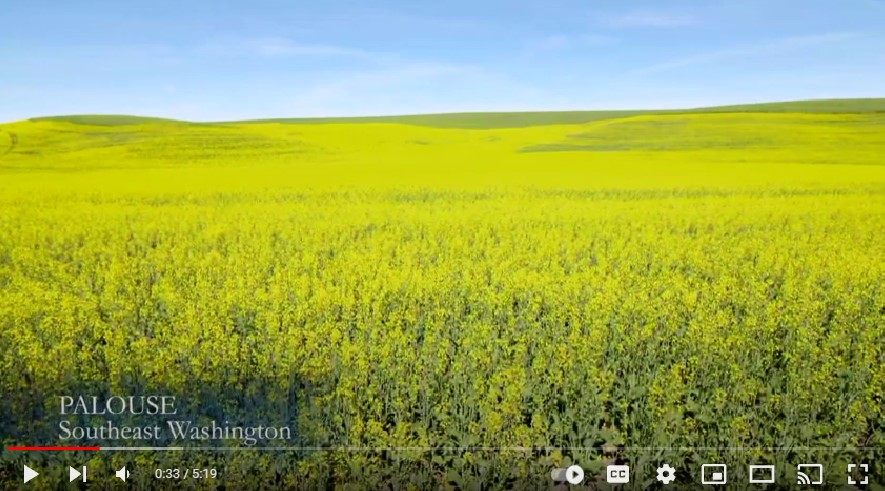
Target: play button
(30, 473)
(574, 474)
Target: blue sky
(219, 60)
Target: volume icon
(122, 474)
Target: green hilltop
(479, 120)
(490, 120)
(819, 106)
(106, 119)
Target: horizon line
(459, 113)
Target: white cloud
(648, 18)
(553, 42)
(351, 87)
(557, 42)
(415, 87)
(101, 58)
(395, 19)
(284, 47)
(749, 51)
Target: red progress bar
(53, 449)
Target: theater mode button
(30, 474)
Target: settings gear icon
(666, 474)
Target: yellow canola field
(561, 293)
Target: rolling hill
(489, 120)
